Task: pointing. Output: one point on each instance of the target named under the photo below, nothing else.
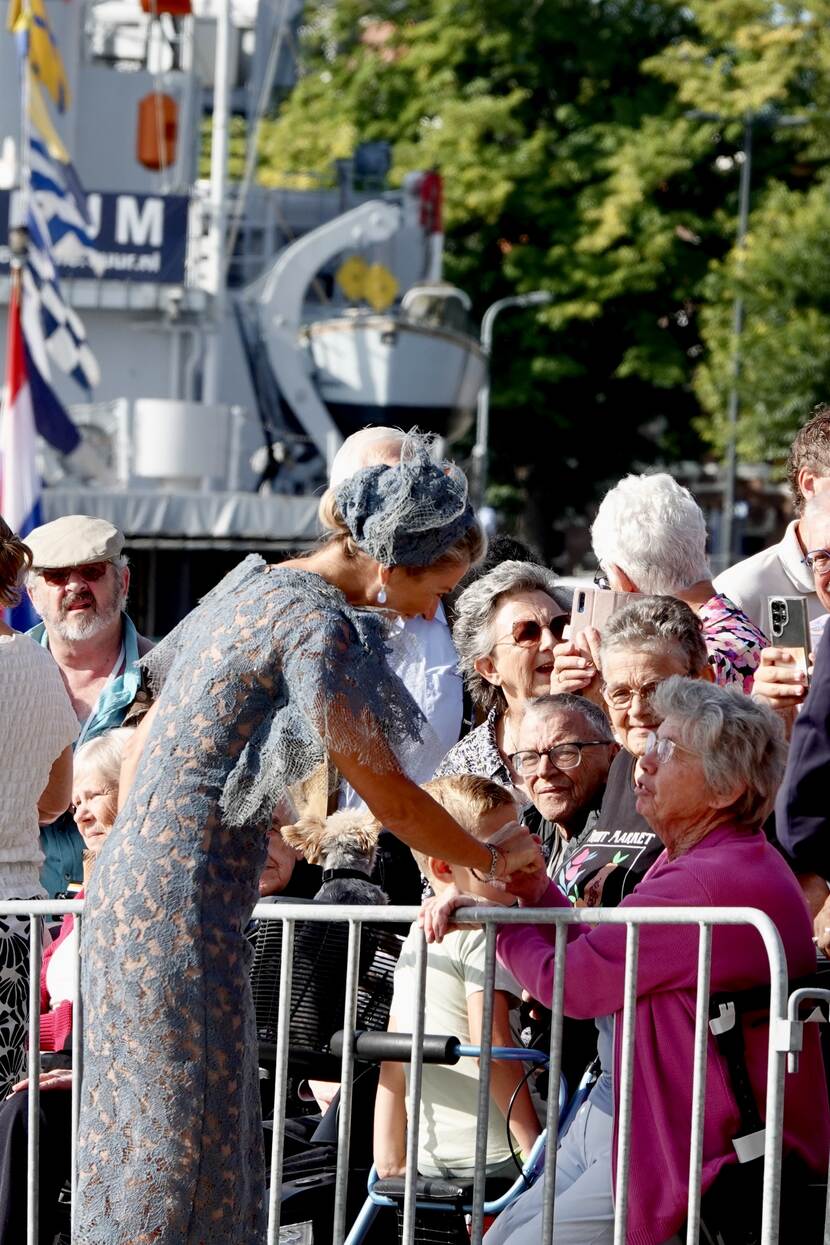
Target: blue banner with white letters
(139, 237)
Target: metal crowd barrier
(784, 1040)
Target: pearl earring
(381, 597)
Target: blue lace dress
(270, 670)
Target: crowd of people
(669, 755)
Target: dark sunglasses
(527, 632)
(90, 571)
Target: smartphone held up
(789, 628)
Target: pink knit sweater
(55, 1023)
(732, 866)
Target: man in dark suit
(802, 811)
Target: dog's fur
(345, 840)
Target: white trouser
(584, 1206)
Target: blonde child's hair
(467, 798)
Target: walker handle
(397, 1047)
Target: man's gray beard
(88, 625)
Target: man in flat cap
(78, 584)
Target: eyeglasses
(527, 632)
(664, 749)
(602, 581)
(563, 756)
(60, 575)
(623, 697)
(818, 560)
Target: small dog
(345, 844)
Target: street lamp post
(733, 404)
(771, 120)
(481, 449)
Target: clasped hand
(528, 885)
(519, 850)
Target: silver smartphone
(789, 627)
(592, 607)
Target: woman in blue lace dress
(277, 668)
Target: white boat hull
(382, 361)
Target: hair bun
(409, 514)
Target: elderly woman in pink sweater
(705, 785)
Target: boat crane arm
(280, 302)
(284, 290)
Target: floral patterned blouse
(733, 641)
(478, 753)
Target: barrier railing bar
(77, 1068)
(416, 1072)
(344, 1123)
(281, 1080)
(632, 917)
(33, 1144)
(623, 1123)
(704, 972)
(485, 1062)
(406, 914)
(813, 994)
(774, 1115)
(554, 1078)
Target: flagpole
(218, 193)
(18, 230)
(25, 119)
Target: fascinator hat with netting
(410, 514)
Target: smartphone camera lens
(779, 615)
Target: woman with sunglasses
(507, 624)
(706, 781)
(37, 728)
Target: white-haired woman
(96, 769)
(650, 536)
(706, 782)
(506, 627)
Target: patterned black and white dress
(267, 673)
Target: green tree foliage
(571, 164)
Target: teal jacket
(60, 842)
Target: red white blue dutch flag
(29, 407)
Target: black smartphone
(789, 627)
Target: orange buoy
(158, 122)
(179, 8)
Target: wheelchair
(443, 1205)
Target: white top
(60, 971)
(449, 1095)
(37, 722)
(777, 571)
(423, 657)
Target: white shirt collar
(791, 556)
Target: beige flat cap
(73, 541)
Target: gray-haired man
(78, 584)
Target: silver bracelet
(495, 857)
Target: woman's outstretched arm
(401, 806)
